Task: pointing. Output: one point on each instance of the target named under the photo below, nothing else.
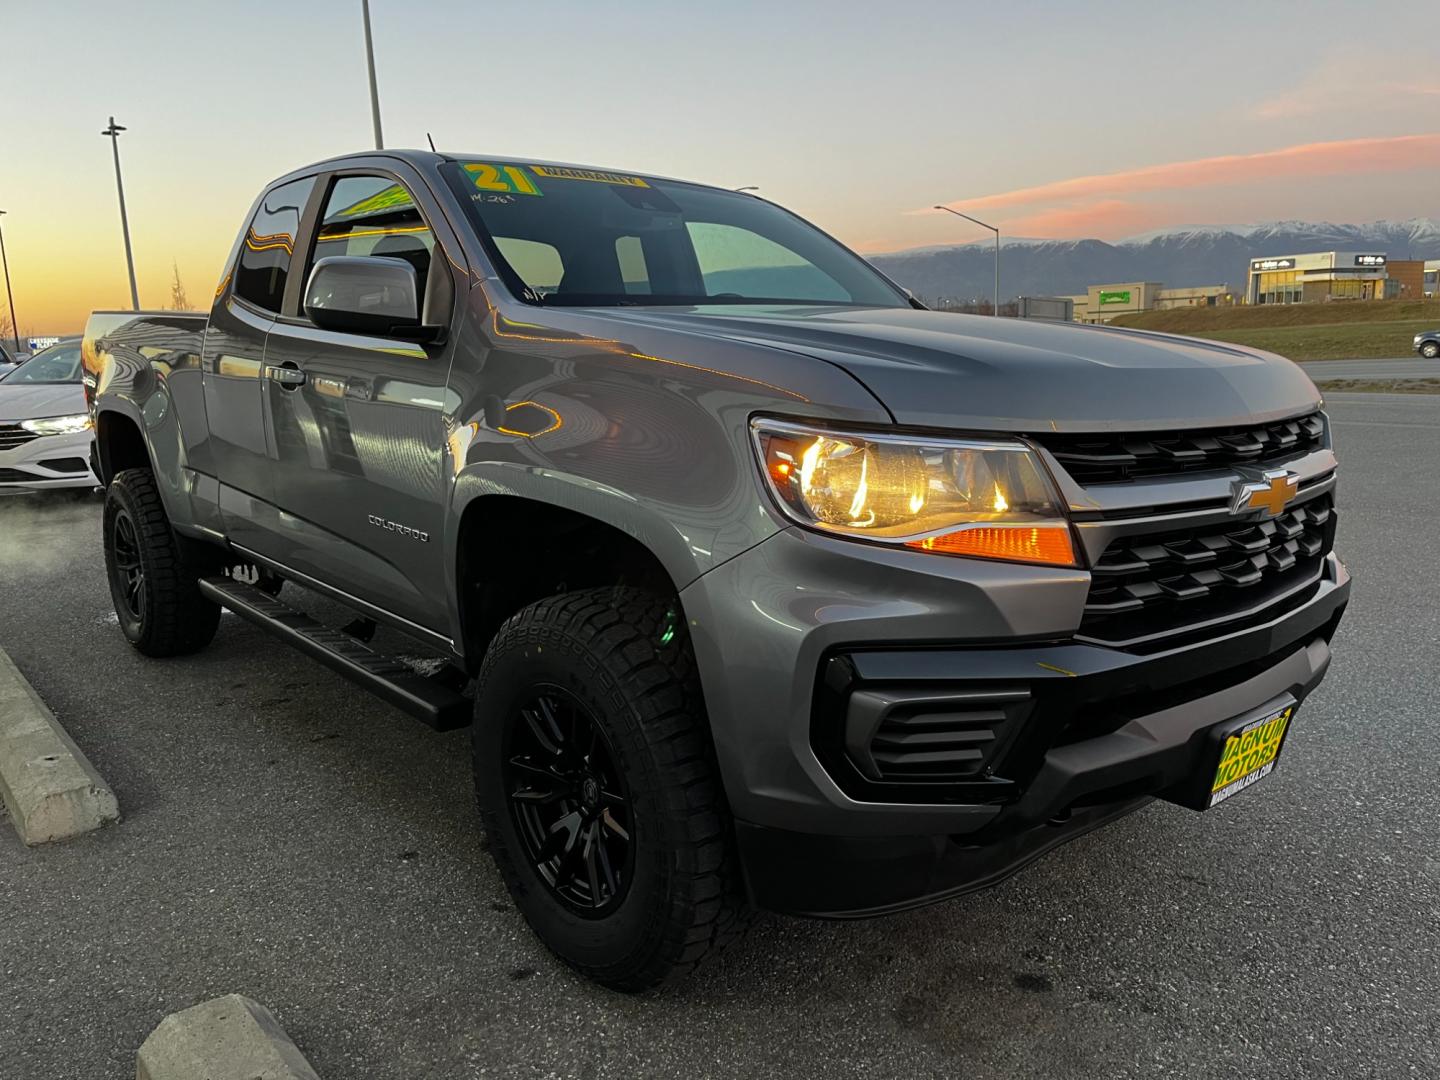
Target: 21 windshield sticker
(500, 180)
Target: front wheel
(598, 788)
(152, 580)
(1430, 350)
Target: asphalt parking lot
(288, 837)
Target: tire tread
(616, 628)
(179, 620)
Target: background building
(1055, 308)
(1404, 279)
(1318, 276)
(1103, 302)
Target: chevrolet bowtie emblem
(1272, 493)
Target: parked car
(775, 589)
(1428, 344)
(7, 361)
(45, 427)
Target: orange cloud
(1344, 157)
(1110, 217)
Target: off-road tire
(172, 619)
(1430, 350)
(625, 656)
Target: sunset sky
(1049, 119)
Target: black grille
(13, 435)
(934, 734)
(1163, 582)
(1105, 458)
(14, 476)
(945, 738)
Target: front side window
(584, 237)
(375, 217)
(57, 364)
(269, 246)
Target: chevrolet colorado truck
(763, 586)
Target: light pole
(113, 131)
(996, 231)
(374, 91)
(14, 326)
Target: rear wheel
(1430, 350)
(152, 576)
(598, 788)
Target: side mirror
(365, 295)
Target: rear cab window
(263, 268)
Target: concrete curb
(226, 1038)
(51, 791)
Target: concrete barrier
(226, 1038)
(49, 789)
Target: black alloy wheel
(153, 574)
(598, 788)
(127, 571)
(568, 802)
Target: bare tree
(178, 300)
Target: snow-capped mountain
(1182, 255)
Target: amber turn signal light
(1050, 544)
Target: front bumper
(1108, 731)
(49, 461)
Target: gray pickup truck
(765, 588)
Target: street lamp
(996, 231)
(113, 131)
(14, 326)
(370, 61)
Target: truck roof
(429, 159)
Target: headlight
(988, 499)
(58, 425)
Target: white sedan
(45, 429)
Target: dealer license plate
(1249, 753)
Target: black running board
(428, 700)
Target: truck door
(358, 429)
(249, 299)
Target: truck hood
(937, 369)
(29, 401)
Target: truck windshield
(586, 237)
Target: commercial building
(1404, 279)
(1101, 303)
(1274, 279)
(1333, 275)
